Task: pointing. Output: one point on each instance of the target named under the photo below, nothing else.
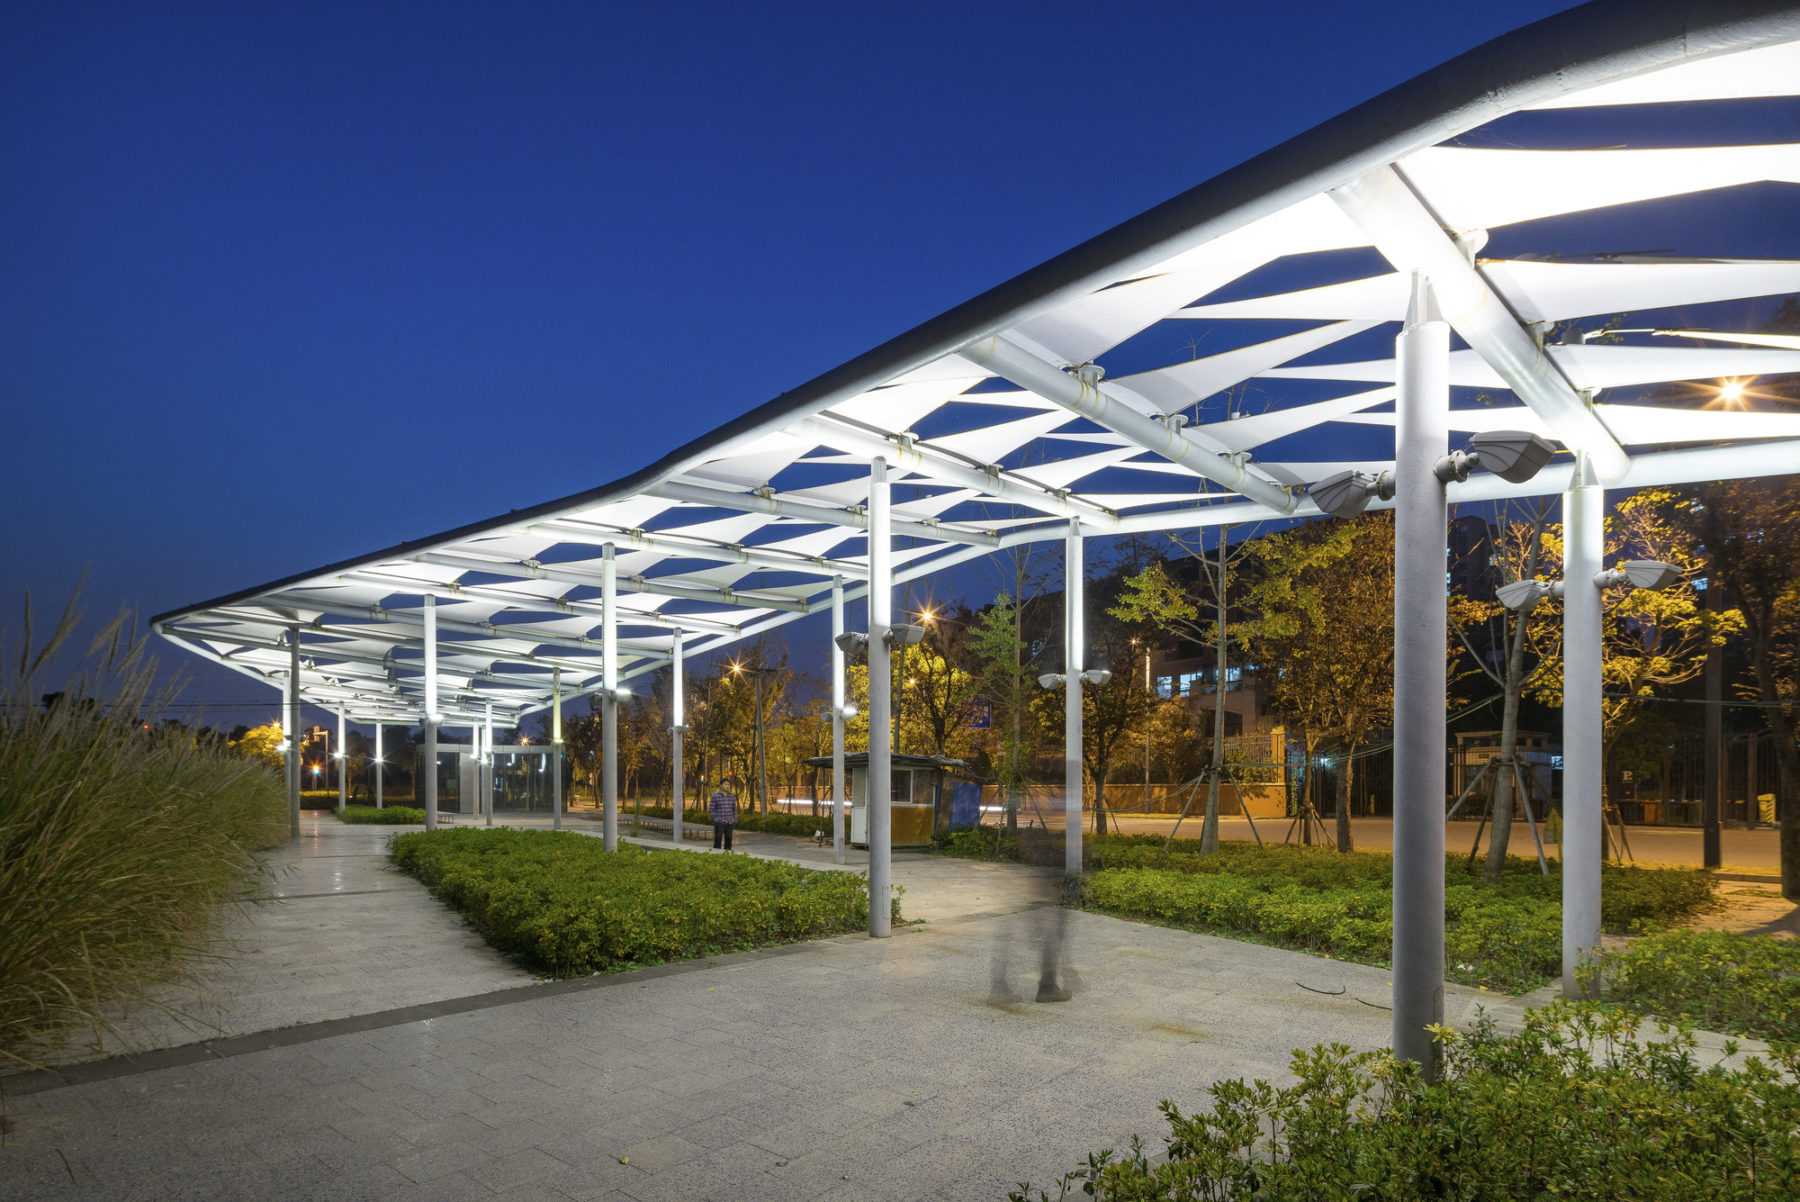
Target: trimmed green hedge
(775, 822)
(386, 816)
(1570, 1107)
(560, 903)
(1317, 900)
(1719, 980)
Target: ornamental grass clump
(560, 903)
(118, 843)
(1573, 1106)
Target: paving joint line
(36, 1081)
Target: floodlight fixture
(1523, 594)
(904, 635)
(621, 693)
(1050, 680)
(852, 642)
(1096, 676)
(847, 712)
(1640, 573)
(1513, 455)
(1346, 494)
(680, 728)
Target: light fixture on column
(846, 712)
(1640, 573)
(1523, 594)
(1633, 573)
(852, 642)
(621, 693)
(1513, 455)
(1093, 676)
(905, 635)
(1346, 494)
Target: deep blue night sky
(284, 284)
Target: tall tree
(1154, 598)
(1323, 633)
(1749, 531)
(1651, 639)
(1111, 711)
(1519, 555)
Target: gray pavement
(408, 1061)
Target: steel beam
(674, 544)
(805, 512)
(1420, 633)
(926, 460)
(1584, 548)
(637, 584)
(1092, 401)
(1409, 236)
(881, 683)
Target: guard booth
(928, 793)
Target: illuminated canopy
(1246, 332)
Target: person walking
(724, 812)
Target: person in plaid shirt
(724, 812)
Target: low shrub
(1506, 936)
(118, 843)
(385, 816)
(561, 903)
(777, 822)
(1571, 1106)
(1718, 980)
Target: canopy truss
(1289, 274)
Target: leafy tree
(997, 648)
(1749, 531)
(1323, 633)
(1651, 639)
(262, 743)
(939, 685)
(1519, 555)
(1154, 598)
(1111, 711)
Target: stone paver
(846, 1069)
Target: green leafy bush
(118, 844)
(385, 816)
(1313, 899)
(779, 823)
(560, 902)
(1570, 1107)
(1719, 980)
(775, 822)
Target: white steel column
(881, 681)
(837, 722)
(609, 700)
(431, 713)
(379, 767)
(556, 748)
(1583, 551)
(677, 728)
(343, 762)
(293, 725)
(1420, 630)
(487, 765)
(1074, 641)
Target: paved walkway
(372, 1047)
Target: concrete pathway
(423, 1066)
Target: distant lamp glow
(1732, 392)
